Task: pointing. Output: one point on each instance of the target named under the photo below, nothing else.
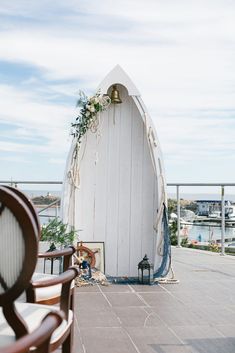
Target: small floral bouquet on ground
(87, 118)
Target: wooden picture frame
(98, 249)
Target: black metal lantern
(145, 271)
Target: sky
(179, 53)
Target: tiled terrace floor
(197, 315)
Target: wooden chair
(18, 246)
(46, 288)
(39, 339)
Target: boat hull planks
(121, 188)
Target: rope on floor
(168, 279)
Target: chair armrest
(56, 253)
(66, 253)
(64, 279)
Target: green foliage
(56, 232)
(90, 107)
(45, 200)
(185, 204)
(184, 242)
(192, 206)
(192, 246)
(173, 239)
(213, 247)
(173, 231)
(172, 206)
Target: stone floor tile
(136, 317)
(215, 315)
(196, 331)
(107, 340)
(97, 317)
(162, 298)
(115, 288)
(194, 298)
(158, 339)
(77, 339)
(88, 300)
(87, 289)
(226, 330)
(124, 299)
(149, 289)
(197, 315)
(211, 345)
(178, 315)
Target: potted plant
(58, 234)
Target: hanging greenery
(58, 233)
(88, 115)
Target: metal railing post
(178, 215)
(222, 220)
(48, 206)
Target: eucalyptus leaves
(87, 118)
(58, 233)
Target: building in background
(210, 208)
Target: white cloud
(179, 53)
(56, 161)
(15, 159)
(21, 147)
(46, 123)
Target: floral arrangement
(88, 115)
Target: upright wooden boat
(114, 187)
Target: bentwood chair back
(19, 248)
(19, 233)
(46, 294)
(65, 253)
(28, 203)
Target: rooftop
(197, 315)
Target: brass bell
(115, 98)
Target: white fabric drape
(70, 184)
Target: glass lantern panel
(146, 276)
(140, 275)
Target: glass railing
(212, 217)
(45, 196)
(214, 226)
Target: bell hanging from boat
(115, 97)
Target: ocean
(33, 193)
(49, 213)
(202, 196)
(205, 233)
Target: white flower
(73, 131)
(87, 114)
(92, 108)
(96, 100)
(107, 99)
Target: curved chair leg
(68, 343)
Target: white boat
(230, 212)
(215, 214)
(114, 188)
